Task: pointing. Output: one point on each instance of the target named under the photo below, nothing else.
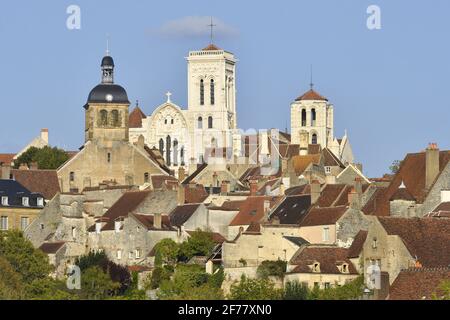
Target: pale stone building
(182, 135)
(107, 154)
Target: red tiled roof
(6, 157)
(125, 205)
(44, 182)
(252, 210)
(302, 162)
(329, 159)
(195, 193)
(311, 95)
(330, 194)
(231, 205)
(328, 257)
(323, 216)
(444, 206)
(418, 284)
(314, 148)
(135, 118)
(159, 180)
(51, 247)
(211, 47)
(357, 245)
(402, 194)
(428, 239)
(147, 221)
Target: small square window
(327, 169)
(25, 201)
(4, 201)
(40, 202)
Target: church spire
(107, 67)
(311, 84)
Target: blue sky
(389, 87)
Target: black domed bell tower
(107, 108)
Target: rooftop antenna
(107, 44)
(311, 84)
(212, 25)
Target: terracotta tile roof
(124, 206)
(402, 194)
(418, 284)
(314, 148)
(252, 210)
(329, 258)
(51, 247)
(147, 221)
(155, 155)
(371, 205)
(44, 182)
(298, 190)
(412, 174)
(330, 193)
(289, 150)
(292, 210)
(159, 180)
(211, 47)
(323, 216)
(302, 162)
(311, 95)
(6, 157)
(253, 228)
(357, 245)
(428, 239)
(328, 159)
(135, 118)
(444, 206)
(181, 214)
(195, 194)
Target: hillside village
(298, 197)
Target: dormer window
(4, 200)
(40, 202)
(345, 268)
(25, 201)
(327, 169)
(316, 267)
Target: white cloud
(194, 26)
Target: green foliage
(443, 291)
(350, 291)
(11, 287)
(295, 291)
(200, 243)
(191, 282)
(32, 264)
(133, 292)
(50, 289)
(166, 252)
(272, 268)
(395, 166)
(160, 274)
(254, 289)
(96, 284)
(46, 157)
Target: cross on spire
(168, 94)
(311, 84)
(212, 25)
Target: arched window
(313, 117)
(303, 118)
(212, 92)
(210, 122)
(115, 118)
(103, 118)
(200, 123)
(175, 152)
(202, 92)
(168, 147)
(161, 146)
(182, 156)
(314, 139)
(146, 177)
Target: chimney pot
(157, 220)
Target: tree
(349, 291)
(96, 284)
(200, 243)
(166, 252)
(395, 166)
(443, 291)
(271, 268)
(46, 157)
(32, 264)
(191, 282)
(254, 289)
(11, 287)
(295, 291)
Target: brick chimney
(225, 187)
(431, 164)
(315, 191)
(44, 135)
(6, 171)
(253, 187)
(157, 220)
(266, 210)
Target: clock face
(109, 97)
